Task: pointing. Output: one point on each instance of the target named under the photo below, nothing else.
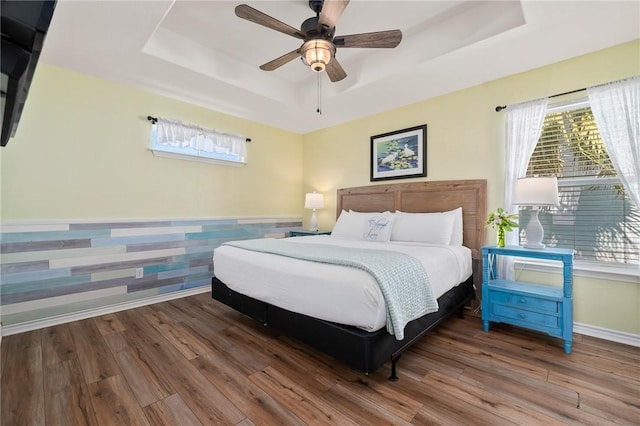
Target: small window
(596, 218)
(173, 139)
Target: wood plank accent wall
(52, 269)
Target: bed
(351, 328)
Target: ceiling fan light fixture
(317, 54)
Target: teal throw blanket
(402, 279)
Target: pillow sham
(432, 228)
(364, 226)
(456, 233)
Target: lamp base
(534, 232)
(313, 224)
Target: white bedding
(330, 292)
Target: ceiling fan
(319, 47)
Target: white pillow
(364, 226)
(432, 228)
(456, 233)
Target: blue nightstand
(537, 307)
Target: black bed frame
(367, 351)
(362, 350)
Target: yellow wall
(80, 152)
(465, 140)
(614, 305)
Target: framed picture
(400, 154)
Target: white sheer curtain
(523, 128)
(616, 109)
(178, 135)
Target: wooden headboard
(426, 197)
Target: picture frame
(399, 154)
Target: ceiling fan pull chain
(319, 110)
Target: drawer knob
(522, 301)
(521, 315)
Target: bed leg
(394, 361)
(461, 312)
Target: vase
(500, 237)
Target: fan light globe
(317, 54)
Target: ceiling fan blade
(250, 14)
(331, 12)
(389, 38)
(278, 62)
(335, 71)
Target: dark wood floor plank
(488, 400)
(383, 393)
(263, 351)
(116, 342)
(22, 380)
(359, 410)
(93, 353)
(114, 403)
(196, 361)
(205, 400)
(68, 401)
(137, 330)
(592, 378)
(173, 311)
(190, 309)
(180, 336)
(615, 350)
(308, 407)
(603, 401)
(419, 362)
(551, 400)
(57, 345)
(108, 324)
(255, 403)
(439, 408)
(145, 379)
(172, 410)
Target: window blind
(596, 218)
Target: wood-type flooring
(193, 361)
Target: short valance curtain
(179, 135)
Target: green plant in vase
(503, 222)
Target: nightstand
(306, 233)
(537, 307)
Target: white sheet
(330, 292)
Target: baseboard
(8, 330)
(607, 334)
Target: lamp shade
(536, 191)
(313, 200)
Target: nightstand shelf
(307, 233)
(537, 307)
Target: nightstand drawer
(525, 302)
(525, 316)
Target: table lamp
(313, 201)
(535, 192)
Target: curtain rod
(154, 120)
(500, 108)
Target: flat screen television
(24, 25)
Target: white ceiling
(200, 52)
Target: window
(595, 217)
(173, 139)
